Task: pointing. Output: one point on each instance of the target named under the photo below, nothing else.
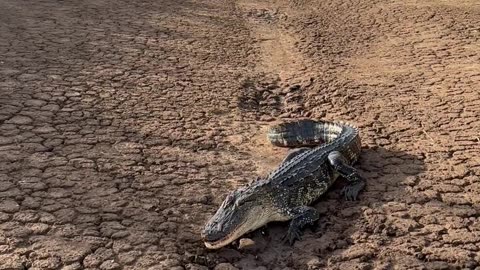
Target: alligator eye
(229, 200)
(238, 203)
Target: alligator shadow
(389, 175)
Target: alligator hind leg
(355, 181)
(301, 216)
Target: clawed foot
(351, 190)
(292, 235)
(301, 216)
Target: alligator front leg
(355, 181)
(301, 216)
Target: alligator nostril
(204, 234)
(207, 237)
(210, 236)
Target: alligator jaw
(224, 241)
(242, 229)
(220, 243)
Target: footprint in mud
(258, 95)
(267, 98)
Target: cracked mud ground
(123, 124)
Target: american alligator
(327, 150)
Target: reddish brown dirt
(123, 124)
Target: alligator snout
(212, 233)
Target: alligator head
(243, 211)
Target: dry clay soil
(123, 125)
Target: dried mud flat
(123, 124)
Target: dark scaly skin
(328, 150)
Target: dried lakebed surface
(123, 124)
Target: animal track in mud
(268, 98)
(259, 96)
(263, 15)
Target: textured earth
(123, 124)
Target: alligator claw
(351, 190)
(291, 236)
(301, 216)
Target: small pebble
(245, 243)
(225, 266)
